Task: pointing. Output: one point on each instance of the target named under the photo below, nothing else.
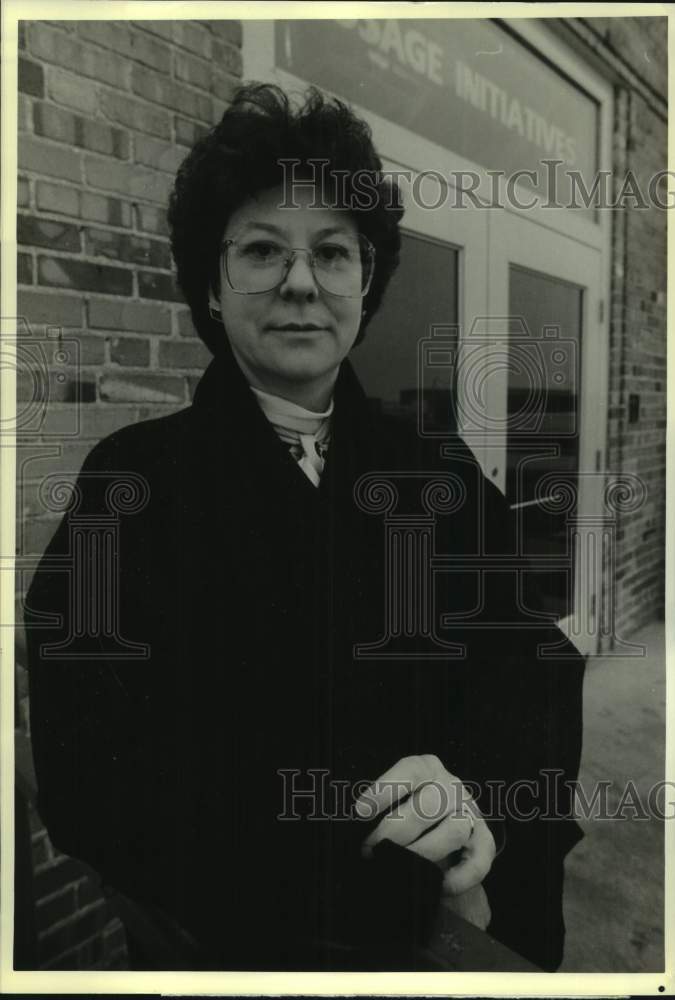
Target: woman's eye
(333, 253)
(261, 251)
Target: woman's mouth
(298, 328)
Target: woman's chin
(305, 366)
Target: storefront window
(423, 295)
(543, 421)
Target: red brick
(113, 35)
(70, 933)
(151, 410)
(227, 58)
(135, 114)
(63, 126)
(130, 351)
(188, 132)
(57, 198)
(228, 30)
(24, 269)
(100, 208)
(45, 158)
(152, 285)
(193, 37)
(101, 138)
(152, 220)
(150, 52)
(161, 28)
(194, 71)
(50, 309)
(64, 200)
(55, 877)
(55, 908)
(31, 78)
(64, 272)
(90, 952)
(41, 848)
(159, 90)
(87, 893)
(24, 113)
(142, 389)
(129, 179)
(159, 155)
(63, 388)
(93, 422)
(52, 46)
(22, 192)
(54, 123)
(141, 317)
(43, 233)
(183, 354)
(184, 323)
(193, 381)
(62, 26)
(122, 246)
(37, 461)
(91, 351)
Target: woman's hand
(472, 905)
(429, 811)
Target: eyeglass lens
(341, 266)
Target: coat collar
(227, 416)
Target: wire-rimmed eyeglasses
(342, 266)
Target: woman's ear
(214, 306)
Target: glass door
(543, 436)
(408, 360)
(542, 420)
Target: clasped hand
(429, 811)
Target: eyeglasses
(342, 266)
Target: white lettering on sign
(406, 45)
(493, 100)
(399, 47)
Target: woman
(205, 755)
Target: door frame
(517, 241)
(477, 234)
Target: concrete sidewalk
(614, 895)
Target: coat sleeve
(532, 677)
(101, 785)
(533, 798)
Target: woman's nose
(300, 278)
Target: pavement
(614, 890)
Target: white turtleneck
(306, 432)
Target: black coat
(251, 589)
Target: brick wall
(637, 50)
(107, 111)
(637, 444)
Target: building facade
(530, 308)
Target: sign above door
(468, 85)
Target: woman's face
(290, 341)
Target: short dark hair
(242, 155)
